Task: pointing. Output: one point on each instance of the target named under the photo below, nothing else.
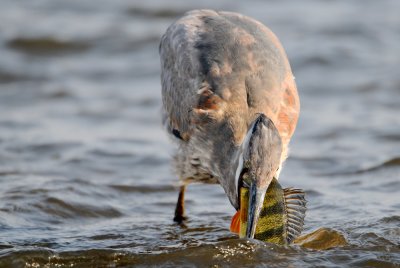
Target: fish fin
(235, 223)
(295, 204)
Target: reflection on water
(84, 164)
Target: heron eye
(177, 134)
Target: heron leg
(180, 206)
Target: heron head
(259, 162)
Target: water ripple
(46, 46)
(142, 188)
(74, 210)
(393, 162)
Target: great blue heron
(230, 101)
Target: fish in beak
(262, 149)
(282, 216)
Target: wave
(142, 188)
(393, 162)
(240, 252)
(46, 46)
(72, 210)
(156, 13)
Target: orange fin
(235, 223)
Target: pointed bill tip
(256, 201)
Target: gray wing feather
(180, 70)
(235, 57)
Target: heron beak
(262, 149)
(256, 200)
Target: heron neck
(229, 176)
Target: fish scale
(282, 216)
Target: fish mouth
(242, 182)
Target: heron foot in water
(179, 219)
(180, 206)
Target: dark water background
(85, 179)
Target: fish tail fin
(235, 223)
(295, 204)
